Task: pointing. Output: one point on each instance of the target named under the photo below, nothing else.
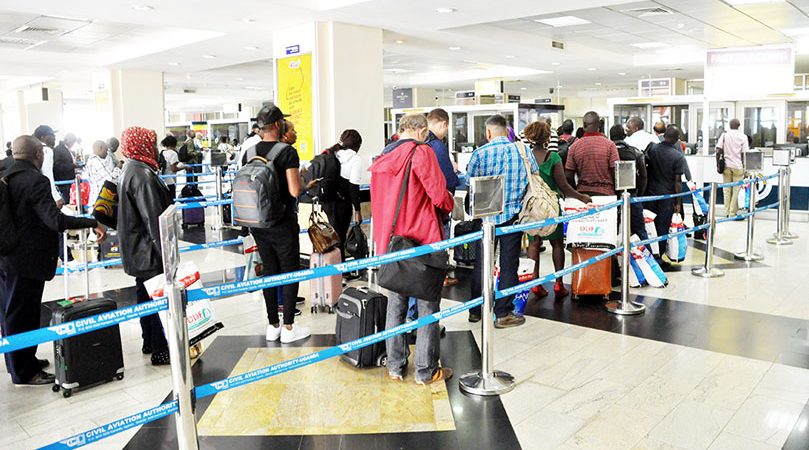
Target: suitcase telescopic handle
(344, 315)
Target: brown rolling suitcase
(595, 279)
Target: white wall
(137, 100)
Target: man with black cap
(47, 137)
(24, 270)
(278, 244)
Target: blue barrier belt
(240, 287)
(193, 199)
(554, 220)
(80, 326)
(113, 428)
(654, 198)
(65, 182)
(194, 205)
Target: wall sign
(403, 98)
(751, 71)
(293, 50)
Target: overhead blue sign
(293, 49)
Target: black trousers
(339, 214)
(20, 308)
(510, 245)
(280, 252)
(150, 326)
(664, 210)
(64, 189)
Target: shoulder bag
(321, 233)
(540, 201)
(420, 277)
(720, 155)
(105, 208)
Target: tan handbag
(321, 233)
(540, 201)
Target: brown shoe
(509, 321)
(449, 282)
(42, 378)
(441, 374)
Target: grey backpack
(257, 197)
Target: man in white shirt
(248, 143)
(46, 135)
(637, 137)
(733, 143)
(100, 168)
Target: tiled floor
(582, 385)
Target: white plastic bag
(678, 245)
(651, 231)
(700, 206)
(600, 228)
(253, 266)
(646, 266)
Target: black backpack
(9, 238)
(182, 152)
(162, 163)
(257, 197)
(326, 168)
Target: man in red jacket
(420, 219)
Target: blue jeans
(427, 339)
(412, 304)
(510, 246)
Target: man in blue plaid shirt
(501, 157)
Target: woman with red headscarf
(142, 198)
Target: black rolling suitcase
(360, 313)
(89, 358)
(465, 254)
(194, 216)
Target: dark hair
(672, 134)
(538, 133)
(169, 142)
(348, 139)
(567, 127)
(223, 139)
(617, 133)
(660, 128)
(635, 121)
(438, 115)
(497, 121)
(254, 127)
(735, 124)
(579, 133)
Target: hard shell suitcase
(89, 358)
(465, 254)
(361, 312)
(194, 216)
(595, 279)
(325, 290)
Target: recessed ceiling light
(399, 41)
(598, 84)
(188, 76)
(750, 2)
(209, 56)
(248, 20)
(592, 69)
(523, 89)
(239, 79)
(564, 21)
(142, 7)
(621, 73)
(647, 45)
(250, 47)
(445, 10)
(174, 64)
(454, 49)
(510, 56)
(556, 63)
(680, 25)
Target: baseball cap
(269, 114)
(43, 130)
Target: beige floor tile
(786, 383)
(589, 399)
(765, 419)
(691, 425)
(616, 428)
(546, 430)
(727, 441)
(528, 398)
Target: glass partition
(797, 126)
(622, 113)
(718, 119)
(760, 124)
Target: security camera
(551, 90)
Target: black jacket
(39, 223)
(628, 153)
(63, 166)
(142, 197)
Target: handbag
(420, 277)
(540, 202)
(720, 155)
(321, 233)
(357, 242)
(105, 209)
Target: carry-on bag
(595, 279)
(110, 248)
(677, 246)
(193, 216)
(90, 358)
(361, 312)
(325, 290)
(321, 233)
(651, 231)
(645, 268)
(357, 242)
(465, 254)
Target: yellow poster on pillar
(295, 98)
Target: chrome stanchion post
(779, 238)
(177, 333)
(65, 268)
(788, 209)
(708, 271)
(625, 307)
(219, 222)
(749, 254)
(487, 381)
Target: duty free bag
(678, 245)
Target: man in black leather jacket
(25, 270)
(142, 197)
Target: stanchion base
(744, 256)
(705, 273)
(625, 309)
(789, 235)
(779, 242)
(499, 383)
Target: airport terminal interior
(690, 336)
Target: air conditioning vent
(558, 44)
(189, 91)
(39, 30)
(648, 12)
(20, 43)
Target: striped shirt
(553, 144)
(593, 159)
(501, 157)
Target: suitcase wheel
(382, 360)
(66, 393)
(55, 388)
(119, 377)
(314, 309)
(331, 310)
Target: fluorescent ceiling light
(209, 56)
(523, 89)
(174, 64)
(250, 47)
(598, 84)
(142, 7)
(454, 49)
(621, 73)
(647, 45)
(750, 2)
(510, 56)
(248, 20)
(399, 41)
(445, 10)
(592, 69)
(239, 79)
(564, 21)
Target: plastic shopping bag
(254, 267)
(700, 206)
(651, 231)
(646, 266)
(678, 245)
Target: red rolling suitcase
(595, 279)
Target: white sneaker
(273, 333)
(295, 334)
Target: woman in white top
(169, 162)
(100, 168)
(339, 211)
